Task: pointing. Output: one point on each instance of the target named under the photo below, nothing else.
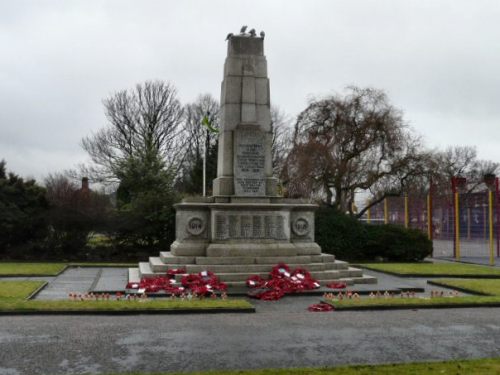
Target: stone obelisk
(244, 167)
(245, 227)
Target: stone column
(244, 166)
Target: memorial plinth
(245, 227)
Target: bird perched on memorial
(252, 32)
(243, 29)
(229, 36)
(262, 34)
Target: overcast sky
(439, 61)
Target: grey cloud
(438, 61)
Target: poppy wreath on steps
(282, 280)
(176, 271)
(337, 285)
(255, 281)
(202, 283)
(152, 285)
(321, 307)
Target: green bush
(396, 243)
(340, 234)
(145, 216)
(23, 208)
(349, 239)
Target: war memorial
(246, 228)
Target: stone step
(323, 283)
(224, 260)
(308, 248)
(234, 279)
(157, 265)
(319, 275)
(365, 279)
(250, 268)
(336, 265)
(293, 260)
(328, 258)
(146, 271)
(325, 275)
(350, 272)
(167, 258)
(133, 275)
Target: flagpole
(205, 169)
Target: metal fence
(463, 226)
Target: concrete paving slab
(74, 279)
(111, 279)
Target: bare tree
(282, 138)
(198, 139)
(199, 136)
(460, 161)
(142, 122)
(60, 189)
(349, 143)
(64, 193)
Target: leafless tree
(60, 189)
(197, 135)
(460, 161)
(198, 139)
(282, 138)
(142, 121)
(349, 143)
(63, 193)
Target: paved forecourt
(283, 334)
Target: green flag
(207, 123)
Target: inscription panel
(241, 226)
(249, 162)
(221, 227)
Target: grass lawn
(434, 269)
(51, 269)
(461, 367)
(18, 290)
(481, 286)
(17, 305)
(13, 296)
(415, 303)
(489, 287)
(30, 269)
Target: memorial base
(237, 237)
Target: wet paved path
(82, 280)
(281, 334)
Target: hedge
(350, 239)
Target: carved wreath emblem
(301, 226)
(195, 226)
